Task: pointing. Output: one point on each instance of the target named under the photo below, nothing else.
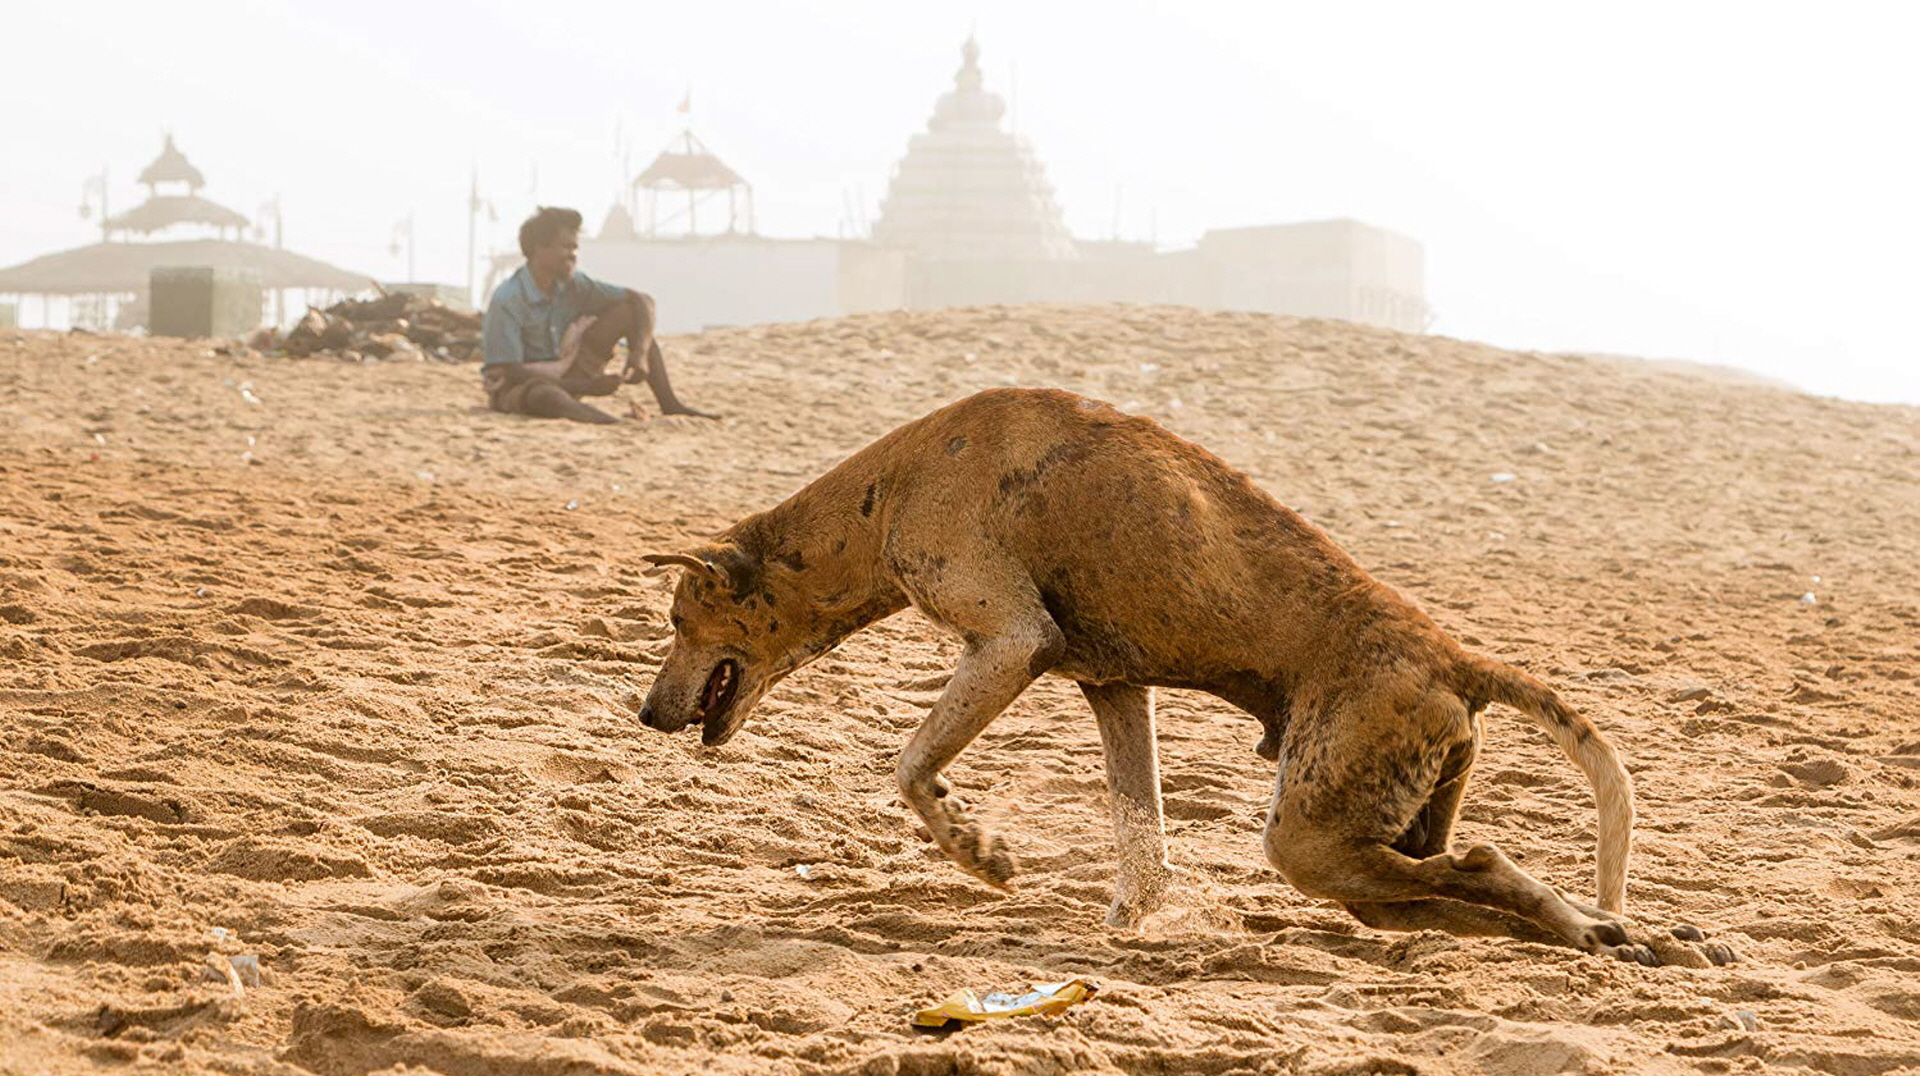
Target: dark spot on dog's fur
(1014, 482)
(773, 627)
(840, 546)
(794, 561)
(955, 446)
(742, 625)
(866, 506)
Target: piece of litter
(1149, 367)
(219, 934)
(423, 475)
(221, 970)
(571, 505)
(99, 438)
(1816, 579)
(1505, 476)
(969, 357)
(804, 870)
(247, 967)
(201, 592)
(1809, 599)
(1042, 999)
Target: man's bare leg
(644, 358)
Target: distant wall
(1329, 269)
(703, 282)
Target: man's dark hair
(547, 224)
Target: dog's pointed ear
(723, 562)
(662, 561)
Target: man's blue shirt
(525, 324)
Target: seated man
(550, 332)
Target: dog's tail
(1486, 679)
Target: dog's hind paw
(1682, 946)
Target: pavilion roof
(163, 210)
(123, 268)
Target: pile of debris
(395, 327)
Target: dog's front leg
(991, 674)
(1125, 715)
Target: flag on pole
(686, 102)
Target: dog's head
(740, 625)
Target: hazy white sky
(1730, 183)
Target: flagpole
(473, 228)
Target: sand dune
(348, 673)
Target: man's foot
(683, 409)
(584, 412)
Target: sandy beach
(326, 664)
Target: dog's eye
(675, 618)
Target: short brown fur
(1055, 534)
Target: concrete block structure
(202, 301)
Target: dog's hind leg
(1361, 813)
(1430, 834)
(992, 672)
(1124, 713)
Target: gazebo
(688, 167)
(162, 211)
(105, 283)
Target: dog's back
(1159, 562)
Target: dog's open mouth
(715, 700)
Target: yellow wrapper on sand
(1044, 999)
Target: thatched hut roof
(123, 268)
(165, 210)
(690, 167)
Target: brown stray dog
(1054, 534)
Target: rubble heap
(395, 326)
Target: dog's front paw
(1138, 895)
(978, 851)
(985, 856)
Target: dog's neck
(832, 535)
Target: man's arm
(602, 294)
(501, 346)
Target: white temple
(969, 218)
(968, 190)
